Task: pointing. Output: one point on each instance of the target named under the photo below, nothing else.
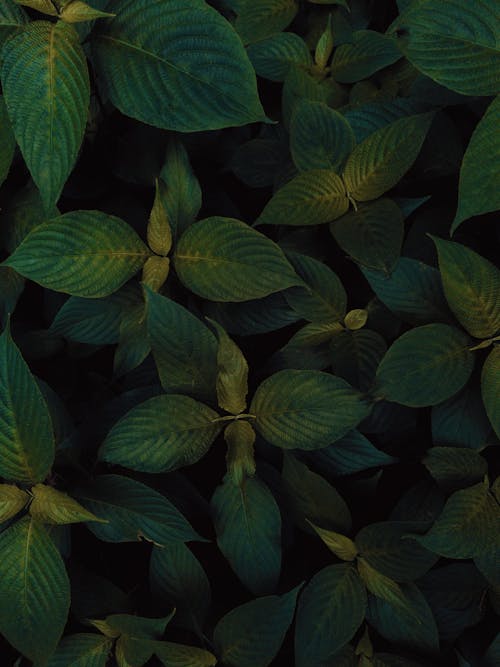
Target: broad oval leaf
(162, 434)
(273, 57)
(184, 349)
(46, 87)
(134, 511)
(479, 187)
(306, 409)
(175, 64)
(320, 137)
(311, 198)
(258, 19)
(177, 576)
(83, 253)
(82, 650)
(471, 286)
(34, 590)
(247, 522)
(26, 436)
(331, 608)
(251, 635)
(490, 388)
(223, 259)
(454, 43)
(372, 235)
(369, 52)
(455, 467)
(381, 160)
(425, 366)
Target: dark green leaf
(455, 467)
(258, 19)
(490, 388)
(82, 650)
(369, 52)
(273, 57)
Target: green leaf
(273, 57)
(232, 373)
(467, 525)
(312, 499)
(184, 349)
(455, 467)
(255, 316)
(133, 345)
(182, 196)
(12, 18)
(490, 388)
(11, 288)
(159, 231)
(26, 437)
(247, 522)
(162, 434)
(177, 576)
(183, 51)
(412, 626)
(472, 288)
(82, 650)
(331, 608)
(454, 43)
(43, 6)
(369, 52)
(138, 627)
(54, 507)
(223, 259)
(381, 160)
(46, 88)
(307, 349)
(425, 366)
(340, 545)
(179, 655)
(258, 19)
(355, 356)
(461, 421)
(320, 137)
(83, 253)
(413, 292)
(34, 590)
(383, 587)
(479, 187)
(356, 319)
(12, 501)
(386, 547)
(77, 11)
(306, 409)
(134, 511)
(372, 235)
(7, 140)
(252, 634)
(155, 272)
(324, 46)
(240, 438)
(323, 298)
(311, 198)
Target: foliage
(249, 333)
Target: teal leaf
(134, 511)
(252, 634)
(454, 43)
(306, 409)
(425, 366)
(83, 253)
(247, 523)
(182, 51)
(46, 87)
(184, 349)
(26, 436)
(479, 187)
(273, 57)
(461, 421)
(311, 198)
(34, 590)
(162, 434)
(472, 287)
(223, 259)
(12, 19)
(320, 137)
(331, 608)
(372, 235)
(177, 577)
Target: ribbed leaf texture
(46, 87)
